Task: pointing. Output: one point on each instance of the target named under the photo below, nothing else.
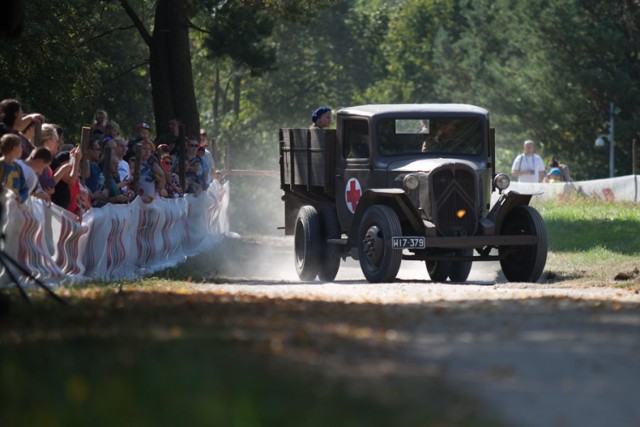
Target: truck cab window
(355, 139)
(459, 136)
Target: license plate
(408, 242)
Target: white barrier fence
(620, 189)
(112, 242)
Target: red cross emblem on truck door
(352, 194)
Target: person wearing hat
(565, 173)
(554, 175)
(528, 166)
(321, 118)
(142, 132)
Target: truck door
(353, 175)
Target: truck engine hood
(425, 165)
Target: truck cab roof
(381, 110)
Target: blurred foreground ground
(233, 338)
(552, 354)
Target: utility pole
(611, 145)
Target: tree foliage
(66, 63)
(546, 70)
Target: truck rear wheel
(330, 255)
(307, 241)
(378, 261)
(524, 263)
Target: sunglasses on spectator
(193, 145)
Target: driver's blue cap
(319, 112)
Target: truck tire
(524, 263)
(438, 270)
(460, 270)
(330, 254)
(307, 242)
(378, 261)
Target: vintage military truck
(409, 181)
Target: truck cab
(400, 182)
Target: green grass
(593, 240)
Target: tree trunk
(170, 68)
(237, 81)
(216, 92)
(216, 102)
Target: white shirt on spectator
(525, 163)
(209, 165)
(29, 175)
(123, 171)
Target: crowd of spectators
(36, 162)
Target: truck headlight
(501, 181)
(410, 182)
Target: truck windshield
(430, 135)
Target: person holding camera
(528, 166)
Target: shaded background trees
(546, 70)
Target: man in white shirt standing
(528, 166)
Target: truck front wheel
(438, 270)
(307, 241)
(460, 270)
(378, 261)
(524, 263)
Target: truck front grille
(453, 200)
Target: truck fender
(395, 198)
(505, 203)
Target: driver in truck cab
(321, 118)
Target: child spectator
(143, 131)
(112, 130)
(554, 175)
(565, 173)
(100, 119)
(124, 171)
(50, 141)
(116, 194)
(173, 182)
(11, 174)
(38, 160)
(194, 169)
(152, 176)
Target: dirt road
(556, 354)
